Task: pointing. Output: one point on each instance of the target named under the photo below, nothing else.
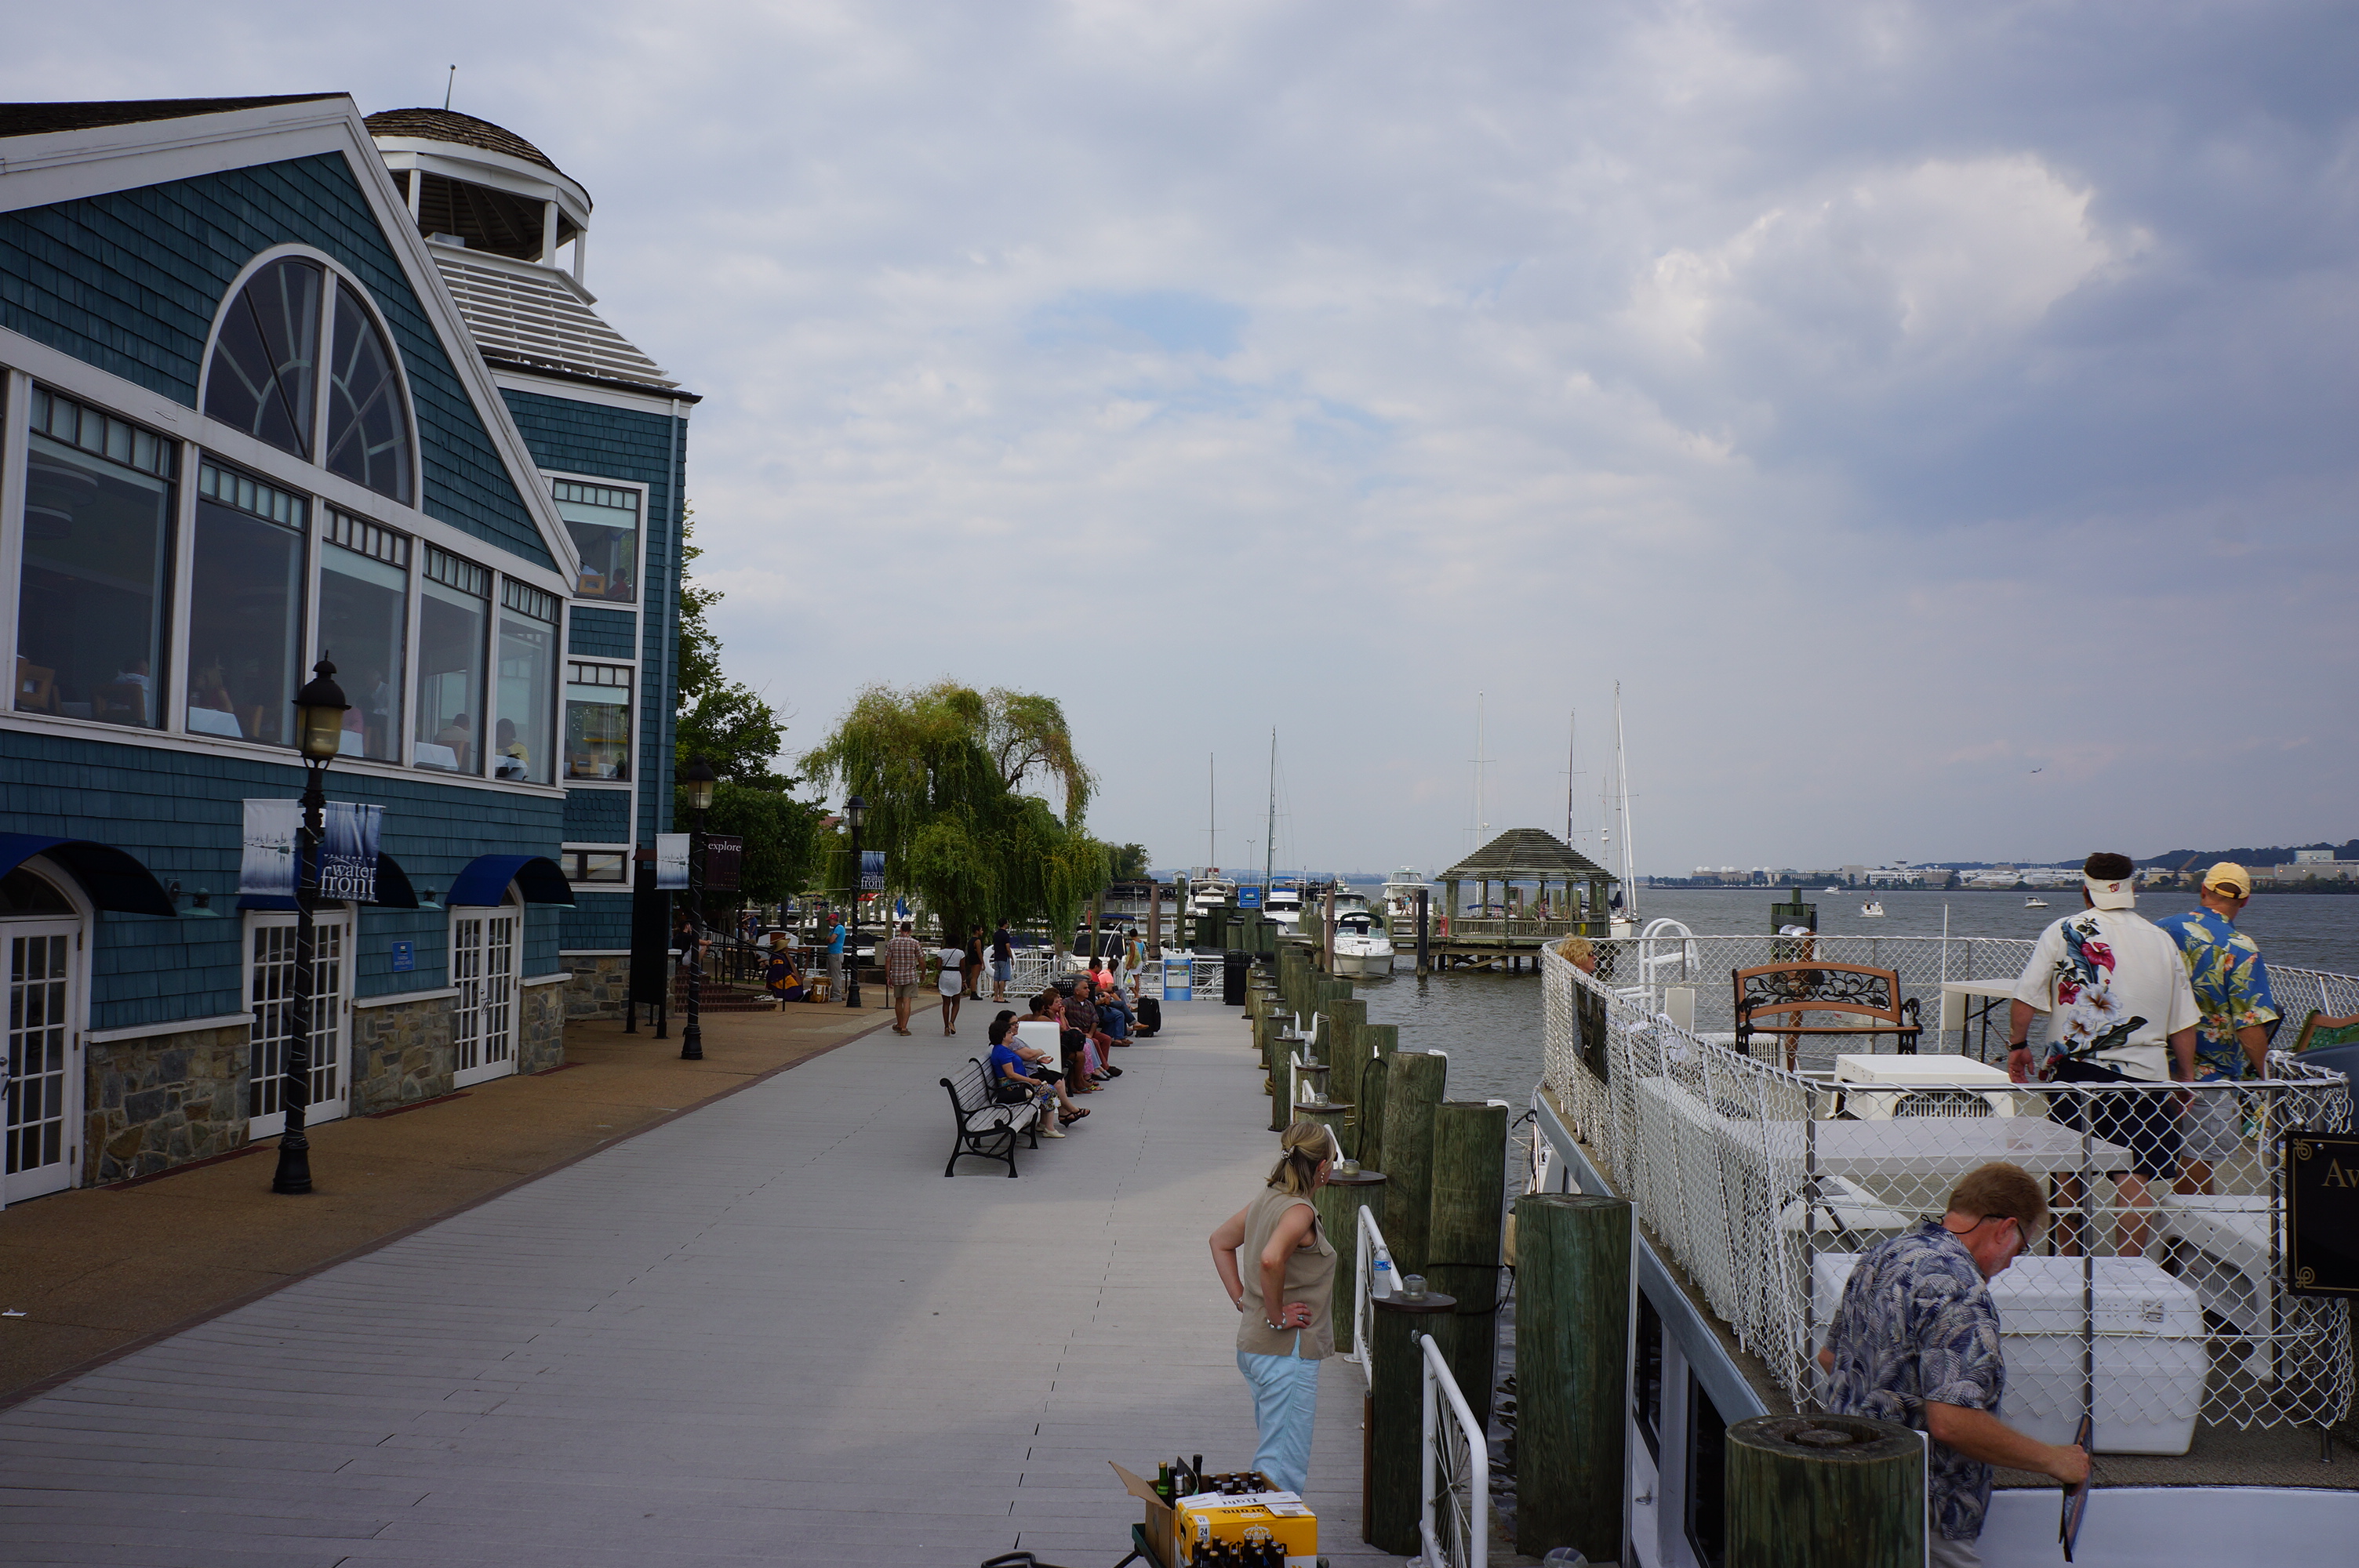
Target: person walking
(2232, 994)
(1280, 1270)
(903, 958)
(950, 982)
(1002, 961)
(1915, 1339)
(2120, 1010)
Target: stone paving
(766, 1331)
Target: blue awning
(485, 881)
(110, 877)
(393, 891)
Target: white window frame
(510, 908)
(638, 605)
(83, 919)
(347, 916)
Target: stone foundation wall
(162, 1101)
(601, 984)
(541, 1027)
(401, 1053)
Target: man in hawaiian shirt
(2115, 993)
(902, 956)
(1915, 1339)
(2232, 991)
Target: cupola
(479, 186)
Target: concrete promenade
(767, 1331)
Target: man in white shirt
(2120, 1010)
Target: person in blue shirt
(835, 951)
(2232, 993)
(1016, 1075)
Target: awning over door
(393, 891)
(485, 881)
(112, 878)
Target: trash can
(1232, 977)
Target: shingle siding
(602, 633)
(130, 282)
(598, 816)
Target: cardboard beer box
(1282, 1517)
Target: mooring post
(1377, 1043)
(1470, 1180)
(1424, 930)
(1328, 1114)
(1572, 1372)
(1413, 1087)
(1338, 1202)
(1341, 1049)
(1393, 1477)
(1805, 1489)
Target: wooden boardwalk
(766, 1332)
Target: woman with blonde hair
(1285, 1290)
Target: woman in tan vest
(1285, 1293)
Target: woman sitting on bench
(1016, 1075)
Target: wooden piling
(1807, 1489)
(1345, 1019)
(1392, 1477)
(1424, 934)
(1573, 1336)
(1413, 1087)
(1338, 1202)
(1463, 1234)
(1327, 1114)
(1368, 1145)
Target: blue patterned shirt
(2232, 988)
(1917, 1322)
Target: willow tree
(955, 781)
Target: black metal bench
(1856, 990)
(988, 1128)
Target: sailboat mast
(1621, 784)
(1571, 737)
(1212, 815)
(1269, 844)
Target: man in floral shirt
(2232, 993)
(1916, 1340)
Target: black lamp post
(697, 783)
(319, 710)
(855, 812)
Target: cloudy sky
(1936, 417)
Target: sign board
(650, 935)
(872, 870)
(2322, 1188)
(1248, 898)
(405, 958)
(671, 862)
(723, 854)
(348, 850)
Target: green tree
(948, 773)
(1129, 863)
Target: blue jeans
(1286, 1404)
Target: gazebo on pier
(1541, 881)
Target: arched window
(293, 316)
(368, 434)
(261, 377)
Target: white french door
(270, 998)
(40, 964)
(483, 972)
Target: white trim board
(362, 1003)
(546, 979)
(171, 1026)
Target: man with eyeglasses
(1915, 1339)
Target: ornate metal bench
(1852, 989)
(987, 1128)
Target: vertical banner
(725, 855)
(671, 862)
(872, 870)
(349, 837)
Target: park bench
(1852, 991)
(987, 1127)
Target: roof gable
(1524, 854)
(39, 119)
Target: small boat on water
(1873, 909)
(1283, 903)
(1363, 951)
(1830, 889)
(1400, 893)
(2035, 902)
(1209, 889)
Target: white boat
(2035, 902)
(1873, 909)
(1400, 893)
(1283, 903)
(1361, 950)
(1208, 890)
(1830, 889)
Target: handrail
(1370, 1249)
(1453, 1472)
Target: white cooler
(2150, 1348)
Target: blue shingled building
(278, 384)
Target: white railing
(1762, 1181)
(1369, 1284)
(1453, 1472)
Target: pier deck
(767, 1331)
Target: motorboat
(2035, 902)
(1400, 893)
(1283, 903)
(1873, 909)
(1830, 889)
(1363, 951)
(1207, 892)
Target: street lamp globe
(698, 780)
(319, 710)
(855, 811)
